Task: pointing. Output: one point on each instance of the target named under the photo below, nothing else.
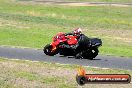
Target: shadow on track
(74, 57)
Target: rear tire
(91, 54)
(47, 50)
(95, 52)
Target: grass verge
(34, 74)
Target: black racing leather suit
(82, 44)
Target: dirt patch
(71, 3)
(15, 24)
(94, 4)
(123, 35)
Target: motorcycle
(90, 52)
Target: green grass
(33, 25)
(50, 80)
(32, 77)
(3, 84)
(21, 74)
(27, 75)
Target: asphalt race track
(38, 55)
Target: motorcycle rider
(83, 41)
(77, 32)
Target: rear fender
(95, 42)
(97, 45)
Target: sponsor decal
(83, 78)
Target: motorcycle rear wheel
(91, 54)
(95, 52)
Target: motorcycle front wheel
(48, 50)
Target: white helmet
(78, 31)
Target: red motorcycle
(55, 47)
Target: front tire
(48, 50)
